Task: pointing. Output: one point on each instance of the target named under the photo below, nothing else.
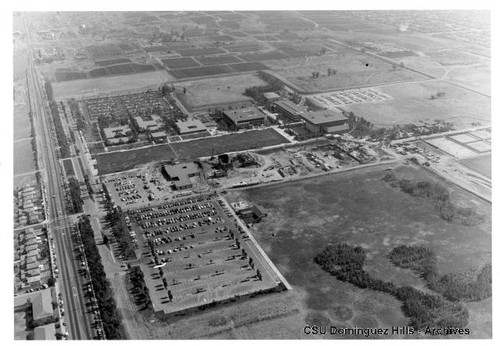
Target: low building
(190, 126)
(326, 121)
(46, 332)
(42, 305)
(244, 117)
(159, 136)
(289, 109)
(117, 132)
(180, 173)
(149, 125)
(271, 97)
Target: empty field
(112, 61)
(122, 161)
(110, 85)
(68, 167)
(412, 102)
(357, 208)
(481, 164)
(218, 90)
(24, 160)
(464, 138)
(274, 55)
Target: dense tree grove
(140, 289)
(423, 309)
(60, 135)
(454, 286)
(440, 197)
(75, 199)
(111, 319)
(121, 232)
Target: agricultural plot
(200, 71)
(274, 55)
(218, 60)
(352, 96)
(200, 51)
(454, 149)
(196, 255)
(64, 76)
(126, 160)
(180, 63)
(265, 38)
(464, 138)
(248, 66)
(480, 146)
(244, 48)
(357, 208)
(102, 52)
(483, 134)
(112, 62)
(481, 164)
(120, 69)
(412, 102)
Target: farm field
(200, 71)
(357, 208)
(353, 71)
(218, 60)
(110, 85)
(481, 164)
(180, 63)
(217, 90)
(125, 160)
(25, 160)
(411, 102)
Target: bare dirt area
(358, 208)
(217, 90)
(110, 85)
(412, 102)
(352, 70)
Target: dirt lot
(481, 164)
(110, 85)
(411, 102)
(357, 208)
(218, 90)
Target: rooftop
(244, 114)
(290, 106)
(159, 134)
(42, 304)
(152, 124)
(323, 117)
(112, 132)
(46, 332)
(189, 126)
(181, 169)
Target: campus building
(190, 126)
(289, 109)
(326, 121)
(150, 125)
(244, 117)
(180, 173)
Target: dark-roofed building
(159, 136)
(180, 173)
(271, 97)
(326, 121)
(244, 117)
(289, 109)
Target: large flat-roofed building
(150, 125)
(289, 109)
(46, 332)
(326, 121)
(244, 117)
(159, 136)
(190, 126)
(42, 304)
(117, 131)
(271, 97)
(180, 173)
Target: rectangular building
(244, 117)
(159, 136)
(190, 126)
(179, 174)
(289, 109)
(326, 121)
(117, 131)
(149, 125)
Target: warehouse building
(190, 126)
(289, 109)
(325, 122)
(244, 117)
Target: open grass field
(481, 164)
(121, 161)
(248, 66)
(200, 51)
(357, 208)
(22, 125)
(25, 179)
(110, 85)
(218, 90)
(411, 102)
(353, 70)
(24, 161)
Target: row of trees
(74, 194)
(120, 230)
(257, 92)
(454, 286)
(440, 197)
(140, 289)
(345, 262)
(111, 319)
(60, 135)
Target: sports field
(122, 161)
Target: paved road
(70, 281)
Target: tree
(170, 296)
(51, 281)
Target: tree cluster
(60, 135)
(140, 289)
(257, 92)
(74, 194)
(111, 319)
(453, 286)
(345, 262)
(441, 199)
(121, 232)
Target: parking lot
(194, 253)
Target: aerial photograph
(253, 174)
